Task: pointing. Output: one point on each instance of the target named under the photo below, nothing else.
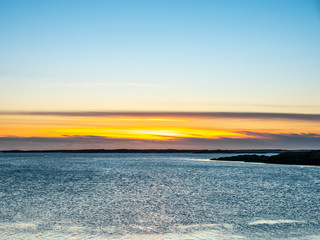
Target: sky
(186, 74)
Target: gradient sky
(136, 74)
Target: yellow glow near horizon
(152, 127)
(143, 133)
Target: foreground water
(154, 196)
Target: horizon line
(160, 150)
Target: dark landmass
(261, 151)
(289, 157)
(296, 157)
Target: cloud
(272, 105)
(232, 115)
(99, 84)
(76, 142)
(270, 141)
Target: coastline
(293, 157)
(196, 151)
(311, 157)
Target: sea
(181, 196)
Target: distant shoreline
(241, 151)
(292, 157)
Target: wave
(28, 231)
(18, 225)
(272, 222)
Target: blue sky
(177, 55)
(222, 53)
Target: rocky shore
(290, 157)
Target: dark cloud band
(266, 141)
(244, 115)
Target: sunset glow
(159, 74)
(160, 127)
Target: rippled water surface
(154, 196)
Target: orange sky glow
(160, 128)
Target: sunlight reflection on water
(154, 196)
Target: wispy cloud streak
(234, 115)
(99, 84)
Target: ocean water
(154, 196)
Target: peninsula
(291, 157)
